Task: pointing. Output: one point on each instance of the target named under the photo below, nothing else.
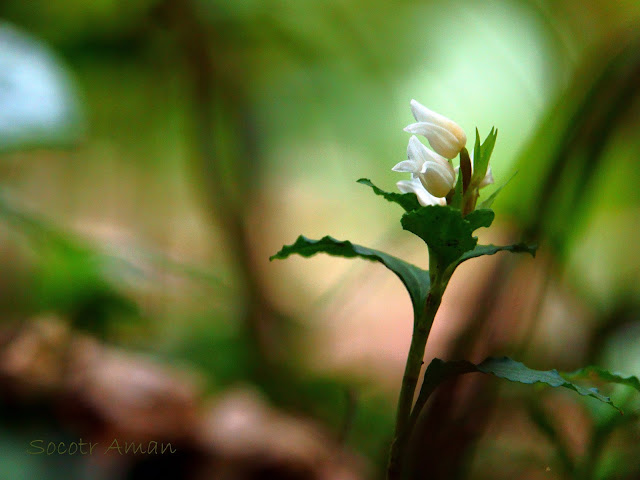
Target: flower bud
(445, 136)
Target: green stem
(421, 327)
(469, 201)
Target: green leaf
(415, 279)
(504, 367)
(477, 151)
(490, 199)
(482, 155)
(481, 250)
(408, 201)
(596, 373)
(447, 234)
(517, 372)
(480, 218)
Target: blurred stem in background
(230, 183)
(574, 136)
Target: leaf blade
(491, 198)
(509, 369)
(592, 371)
(415, 279)
(481, 250)
(502, 367)
(408, 201)
(481, 217)
(443, 229)
(482, 155)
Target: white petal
(406, 166)
(434, 157)
(419, 128)
(438, 179)
(445, 136)
(409, 186)
(487, 180)
(423, 114)
(417, 152)
(414, 186)
(443, 141)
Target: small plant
(440, 206)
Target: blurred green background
(155, 153)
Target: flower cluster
(432, 174)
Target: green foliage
(448, 235)
(408, 201)
(513, 371)
(415, 279)
(449, 238)
(480, 218)
(443, 229)
(482, 155)
(481, 250)
(491, 198)
(504, 367)
(596, 373)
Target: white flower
(445, 136)
(415, 186)
(434, 172)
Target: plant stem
(421, 328)
(469, 201)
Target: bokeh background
(155, 153)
